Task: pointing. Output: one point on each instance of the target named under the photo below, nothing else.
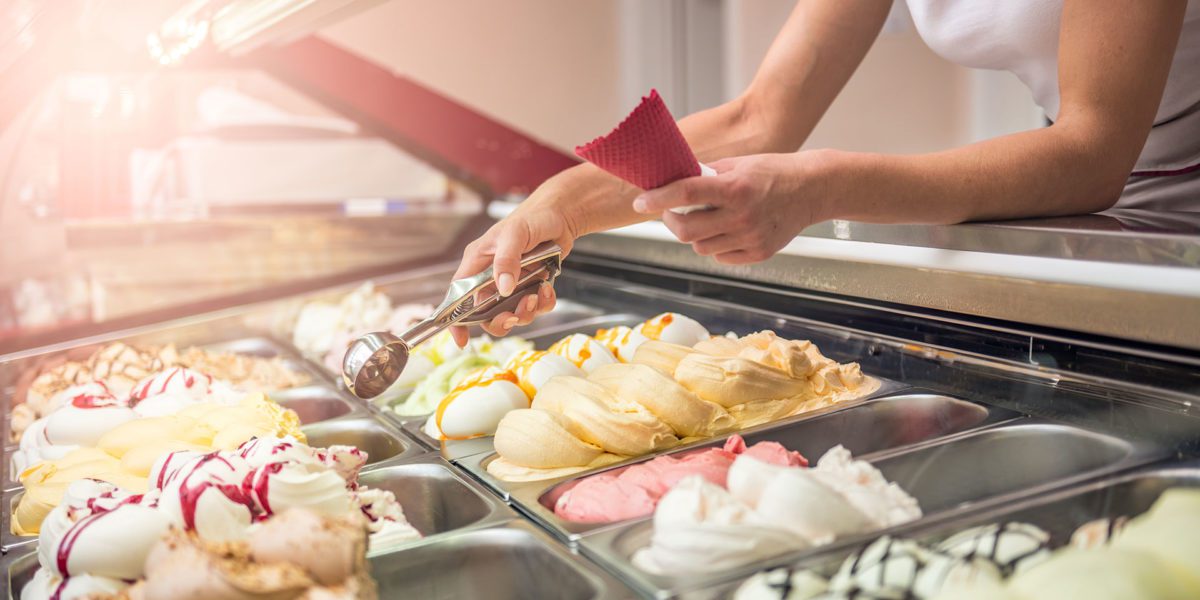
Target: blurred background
(184, 155)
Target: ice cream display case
(984, 410)
(948, 438)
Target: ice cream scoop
(376, 360)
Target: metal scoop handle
(474, 299)
(375, 361)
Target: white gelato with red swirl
(83, 415)
(98, 540)
(175, 389)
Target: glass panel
(122, 194)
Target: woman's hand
(501, 248)
(575, 202)
(760, 203)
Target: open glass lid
(182, 157)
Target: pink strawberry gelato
(635, 491)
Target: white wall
(564, 70)
(548, 67)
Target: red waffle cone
(646, 149)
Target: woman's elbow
(1107, 185)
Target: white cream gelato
(533, 368)
(583, 351)
(475, 407)
(701, 527)
(768, 510)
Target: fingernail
(639, 204)
(509, 323)
(545, 291)
(505, 284)
(531, 303)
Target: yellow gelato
(683, 411)
(539, 439)
(667, 393)
(592, 414)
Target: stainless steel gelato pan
(380, 441)
(976, 470)
(1059, 514)
(435, 498)
(876, 425)
(515, 561)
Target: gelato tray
(243, 362)
(995, 466)
(436, 499)
(565, 321)
(1018, 536)
(383, 445)
(514, 561)
(922, 436)
(877, 425)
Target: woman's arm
(1114, 57)
(1113, 61)
(818, 49)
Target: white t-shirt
(1021, 36)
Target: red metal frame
(456, 138)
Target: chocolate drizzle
(783, 587)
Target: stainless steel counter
(1129, 275)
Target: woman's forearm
(814, 55)
(1114, 59)
(1036, 173)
